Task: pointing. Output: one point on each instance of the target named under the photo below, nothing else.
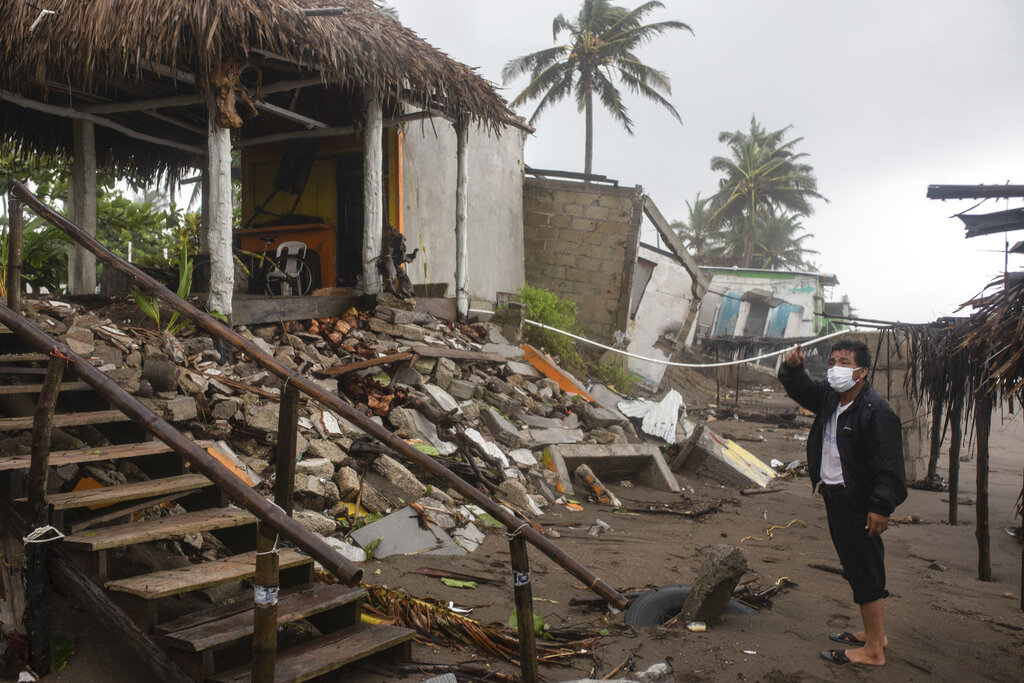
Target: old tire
(660, 604)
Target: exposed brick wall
(581, 243)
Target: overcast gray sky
(888, 96)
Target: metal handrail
(219, 330)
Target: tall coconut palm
(779, 242)
(600, 48)
(763, 170)
(701, 237)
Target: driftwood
(338, 370)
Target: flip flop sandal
(835, 656)
(846, 638)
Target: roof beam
(974, 191)
(290, 115)
(156, 115)
(329, 132)
(674, 243)
(70, 113)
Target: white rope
(673, 364)
(37, 535)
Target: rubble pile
(466, 395)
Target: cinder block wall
(581, 243)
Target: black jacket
(869, 438)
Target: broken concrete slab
(400, 477)
(397, 316)
(469, 537)
(406, 331)
(539, 438)
(585, 478)
(347, 481)
(351, 552)
(400, 533)
(709, 455)
(506, 351)
(642, 463)
(538, 422)
(722, 569)
(517, 495)
(523, 457)
(441, 397)
(489, 447)
(161, 373)
(525, 369)
(325, 448)
(316, 522)
(595, 417)
(500, 428)
(462, 390)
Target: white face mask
(841, 379)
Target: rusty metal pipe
(225, 333)
(209, 466)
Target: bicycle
(265, 273)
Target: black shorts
(862, 556)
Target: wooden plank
(327, 653)
(9, 389)
(116, 494)
(80, 455)
(205, 616)
(256, 311)
(197, 576)
(22, 357)
(160, 528)
(457, 354)
(13, 424)
(338, 370)
(240, 624)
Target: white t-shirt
(831, 468)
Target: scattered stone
(397, 316)
(507, 351)
(316, 522)
(161, 373)
(178, 409)
(406, 375)
(460, 389)
(539, 438)
(722, 569)
(500, 428)
(523, 369)
(595, 417)
(408, 331)
(350, 552)
(327, 449)
(523, 457)
(400, 477)
(225, 408)
(263, 417)
(442, 398)
(517, 495)
(127, 378)
(469, 537)
(80, 340)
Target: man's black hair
(861, 352)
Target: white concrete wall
(495, 213)
(800, 290)
(662, 312)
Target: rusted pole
(220, 331)
(955, 440)
(524, 607)
(37, 576)
(267, 579)
(983, 427)
(15, 244)
(204, 463)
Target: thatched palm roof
(96, 51)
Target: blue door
(728, 312)
(780, 318)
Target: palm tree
(701, 237)
(601, 41)
(779, 244)
(762, 171)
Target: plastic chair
(290, 257)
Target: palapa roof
(92, 54)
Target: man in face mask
(855, 460)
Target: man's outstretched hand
(795, 358)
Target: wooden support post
(373, 192)
(14, 248)
(287, 440)
(936, 437)
(265, 590)
(461, 216)
(524, 607)
(222, 267)
(267, 579)
(37, 575)
(82, 263)
(955, 439)
(982, 429)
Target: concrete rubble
(496, 413)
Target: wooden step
(156, 529)
(197, 576)
(14, 424)
(327, 653)
(8, 389)
(81, 455)
(22, 357)
(108, 495)
(216, 633)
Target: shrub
(548, 308)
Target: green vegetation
(548, 308)
(616, 375)
(600, 49)
(151, 306)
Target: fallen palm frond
(440, 625)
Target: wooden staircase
(321, 621)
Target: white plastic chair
(291, 265)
